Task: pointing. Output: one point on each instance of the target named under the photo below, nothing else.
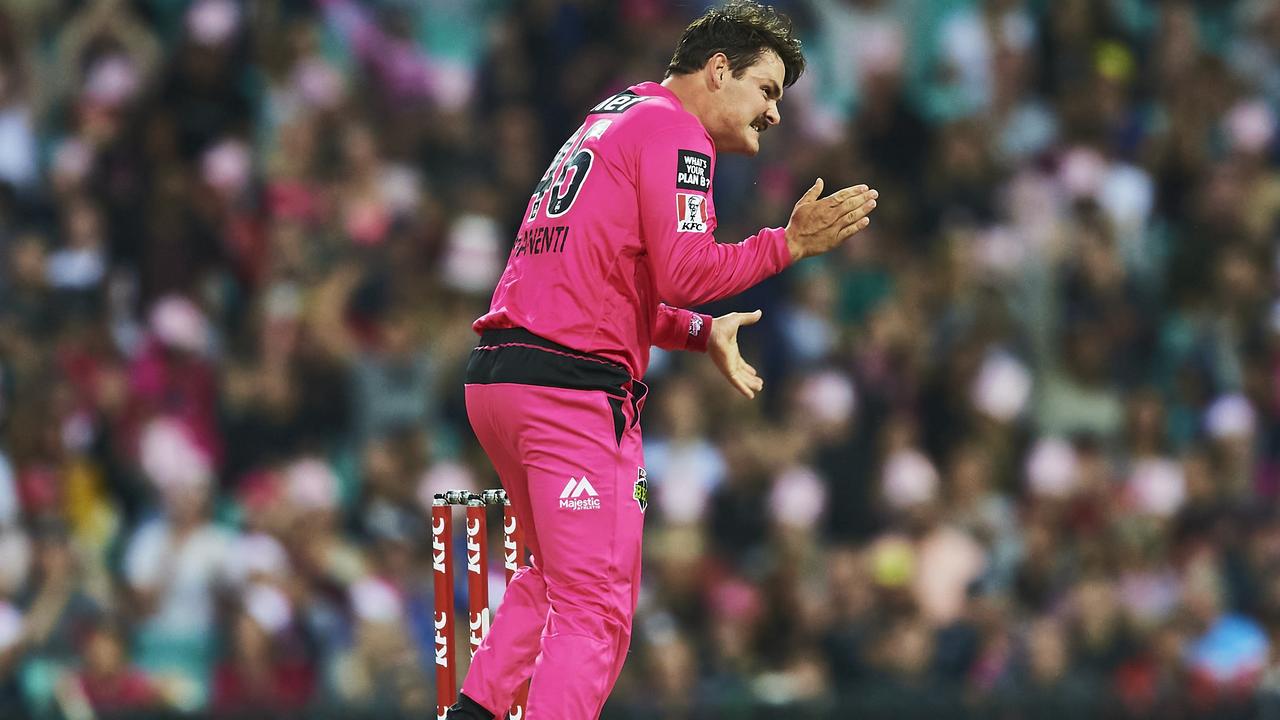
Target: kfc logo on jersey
(691, 213)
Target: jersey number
(563, 180)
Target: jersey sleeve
(688, 265)
(679, 329)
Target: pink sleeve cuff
(699, 331)
(781, 254)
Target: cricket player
(616, 242)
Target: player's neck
(684, 87)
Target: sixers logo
(640, 492)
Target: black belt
(515, 355)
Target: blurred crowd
(1018, 453)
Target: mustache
(761, 124)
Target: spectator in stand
(110, 683)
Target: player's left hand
(723, 349)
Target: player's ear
(717, 69)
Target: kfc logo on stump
(443, 621)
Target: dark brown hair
(743, 31)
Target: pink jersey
(620, 225)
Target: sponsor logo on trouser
(571, 498)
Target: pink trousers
(571, 463)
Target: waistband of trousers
(515, 355)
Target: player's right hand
(820, 224)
